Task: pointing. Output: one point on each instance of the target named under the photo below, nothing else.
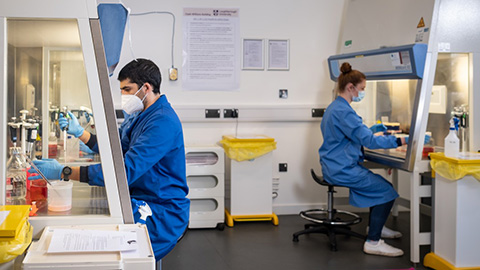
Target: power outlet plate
(212, 113)
(318, 112)
(230, 113)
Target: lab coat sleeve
(95, 175)
(353, 128)
(156, 140)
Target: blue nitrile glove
(84, 148)
(87, 116)
(378, 128)
(74, 128)
(49, 167)
(425, 141)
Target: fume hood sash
(402, 62)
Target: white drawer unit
(202, 160)
(206, 183)
(207, 213)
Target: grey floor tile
(261, 245)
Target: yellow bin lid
(14, 221)
(251, 138)
(464, 158)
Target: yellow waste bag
(241, 149)
(454, 169)
(11, 248)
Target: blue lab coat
(154, 153)
(341, 155)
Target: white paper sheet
(3, 216)
(68, 241)
(253, 54)
(278, 53)
(211, 49)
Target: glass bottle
(16, 187)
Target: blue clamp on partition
(456, 121)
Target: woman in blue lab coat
(153, 149)
(341, 157)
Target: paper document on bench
(64, 240)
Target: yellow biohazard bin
(456, 218)
(15, 232)
(248, 178)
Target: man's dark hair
(142, 71)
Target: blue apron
(341, 155)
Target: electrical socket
(212, 113)
(230, 113)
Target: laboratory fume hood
(53, 61)
(415, 89)
(393, 96)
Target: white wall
(313, 28)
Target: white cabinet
(249, 186)
(248, 190)
(206, 182)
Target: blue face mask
(361, 95)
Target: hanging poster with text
(211, 49)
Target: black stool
(326, 221)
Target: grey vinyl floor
(261, 245)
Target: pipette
(65, 114)
(36, 168)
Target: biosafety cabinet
(52, 61)
(422, 63)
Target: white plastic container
(452, 144)
(73, 148)
(60, 196)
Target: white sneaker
(389, 233)
(382, 249)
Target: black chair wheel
(295, 238)
(220, 226)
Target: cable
(158, 12)
(130, 34)
(236, 128)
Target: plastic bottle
(52, 145)
(452, 143)
(16, 178)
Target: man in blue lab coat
(153, 149)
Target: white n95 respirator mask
(132, 104)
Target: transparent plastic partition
(390, 102)
(46, 76)
(450, 97)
